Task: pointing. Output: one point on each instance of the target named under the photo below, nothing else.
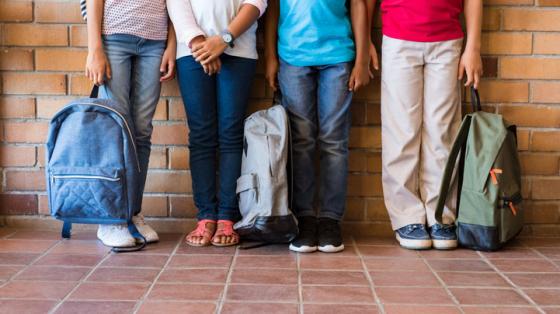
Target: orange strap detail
(513, 209)
(493, 175)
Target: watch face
(227, 38)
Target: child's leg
(144, 96)
(234, 87)
(442, 118)
(199, 96)
(299, 90)
(402, 89)
(333, 104)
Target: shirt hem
(135, 34)
(311, 63)
(424, 39)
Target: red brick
(548, 3)
(170, 89)
(497, 43)
(19, 180)
(182, 207)
(546, 43)
(170, 134)
(80, 85)
(16, 10)
(176, 109)
(35, 35)
(546, 189)
(504, 91)
(168, 182)
(364, 185)
(179, 158)
(491, 19)
(154, 206)
(58, 12)
(17, 156)
(158, 158)
(78, 36)
(18, 204)
(60, 60)
(376, 210)
(26, 132)
(365, 137)
(47, 107)
(530, 67)
(33, 83)
(545, 141)
(16, 59)
(540, 164)
(532, 115)
(161, 110)
(17, 107)
(546, 92)
(524, 19)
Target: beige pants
(420, 114)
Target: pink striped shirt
(143, 18)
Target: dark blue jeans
(215, 107)
(318, 102)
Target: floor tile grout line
(548, 259)
(140, 302)
(506, 278)
(442, 283)
(365, 269)
(80, 282)
(300, 284)
(222, 299)
(47, 251)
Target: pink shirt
(142, 18)
(422, 20)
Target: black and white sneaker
(330, 237)
(444, 237)
(414, 237)
(306, 241)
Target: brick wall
(43, 54)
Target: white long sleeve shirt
(192, 18)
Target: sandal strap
(201, 229)
(227, 228)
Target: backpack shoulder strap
(460, 140)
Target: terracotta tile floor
(40, 273)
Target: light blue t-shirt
(315, 32)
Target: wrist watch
(228, 38)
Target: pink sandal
(204, 228)
(225, 229)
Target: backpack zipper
(88, 177)
(127, 128)
(509, 202)
(494, 175)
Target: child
(319, 48)
(130, 51)
(217, 56)
(421, 109)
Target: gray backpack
(263, 188)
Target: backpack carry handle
(450, 167)
(475, 100)
(94, 92)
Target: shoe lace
(410, 228)
(445, 228)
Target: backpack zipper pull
(493, 174)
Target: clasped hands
(207, 52)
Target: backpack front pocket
(86, 193)
(511, 213)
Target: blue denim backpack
(92, 167)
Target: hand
(209, 50)
(271, 72)
(471, 64)
(167, 67)
(373, 60)
(359, 77)
(213, 67)
(97, 66)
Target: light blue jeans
(135, 64)
(318, 103)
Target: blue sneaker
(444, 237)
(414, 237)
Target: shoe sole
(414, 244)
(331, 248)
(444, 244)
(131, 244)
(303, 249)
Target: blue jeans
(135, 82)
(318, 103)
(215, 107)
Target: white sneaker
(115, 236)
(145, 230)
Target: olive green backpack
(489, 209)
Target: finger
(370, 73)
(376, 63)
(205, 69)
(196, 47)
(461, 71)
(470, 77)
(108, 72)
(351, 84)
(202, 57)
(476, 79)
